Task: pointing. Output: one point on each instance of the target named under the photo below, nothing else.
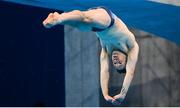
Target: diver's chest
(114, 40)
(116, 44)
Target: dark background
(31, 58)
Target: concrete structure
(81, 68)
(155, 82)
(157, 74)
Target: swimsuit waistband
(111, 16)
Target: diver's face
(118, 60)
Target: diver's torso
(117, 37)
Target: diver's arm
(104, 74)
(130, 68)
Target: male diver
(119, 46)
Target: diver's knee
(56, 13)
(78, 12)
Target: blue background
(31, 58)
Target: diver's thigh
(98, 17)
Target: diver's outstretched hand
(118, 99)
(52, 20)
(110, 100)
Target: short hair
(122, 70)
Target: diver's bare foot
(52, 20)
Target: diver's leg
(70, 18)
(79, 19)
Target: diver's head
(119, 60)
